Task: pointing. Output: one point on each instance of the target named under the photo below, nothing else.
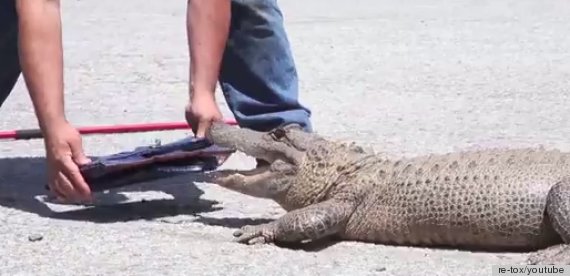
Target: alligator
(488, 199)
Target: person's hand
(64, 152)
(201, 112)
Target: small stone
(35, 237)
(380, 269)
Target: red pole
(26, 134)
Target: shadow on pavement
(22, 187)
(22, 183)
(231, 222)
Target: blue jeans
(258, 75)
(9, 62)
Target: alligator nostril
(278, 133)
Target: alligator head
(283, 149)
(302, 167)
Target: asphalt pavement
(403, 77)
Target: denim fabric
(9, 63)
(258, 75)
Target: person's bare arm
(41, 58)
(208, 24)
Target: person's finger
(81, 159)
(190, 118)
(64, 187)
(194, 125)
(78, 153)
(52, 184)
(55, 190)
(71, 172)
(202, 128)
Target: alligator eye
(278, 134)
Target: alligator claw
(255, 234)
(554, 255)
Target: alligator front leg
(558, 210)
(301, 225)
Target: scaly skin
(511, 199)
